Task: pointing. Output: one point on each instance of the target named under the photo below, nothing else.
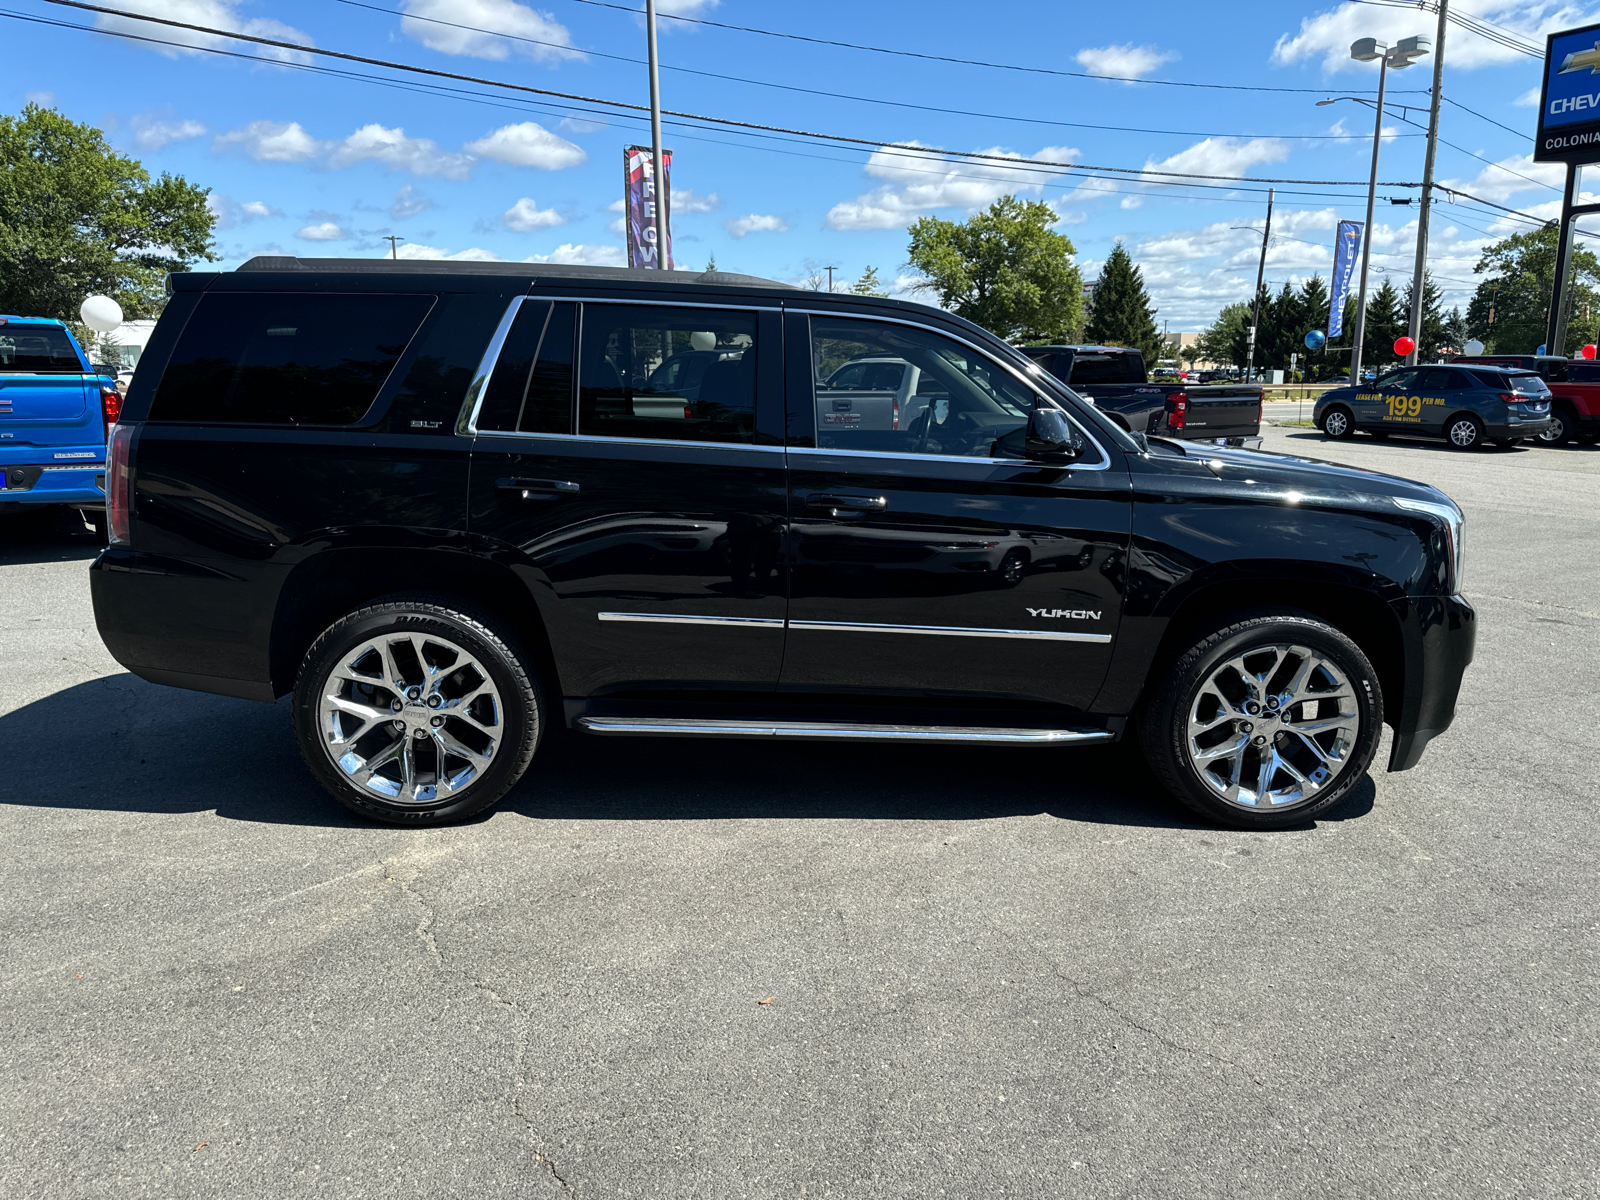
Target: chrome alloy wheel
(1557, 430)
(1464, 433)
(410, 717)
(1272, 727)
(1336, 424)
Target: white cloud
(580, 125)
(272, 141)
(1505, 179)
(685, 8)
(740, 226)
(687, 200)
(1328, 35)
(149, 134)
(231, 213)
(412, 250)
(218, 14)
(1222, 156)
(1528, 99)
(495, 16)
(586, 255)
(525, 215)
(408, 202)
(1125, 62)
(322, 231)
(528, 144)
(48, 99)
(927, 179)
(1133, 202)
(392, 148)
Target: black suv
(451, 505)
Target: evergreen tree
(1431, 337)
(868, 284)
(1223, 341)
(1313, 315)
(1282, 331)
(1122, 314)
(1386, 321)
(1454, 332)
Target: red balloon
(1404, 346)
(1588, 351)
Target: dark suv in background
(448, 505)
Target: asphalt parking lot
(990, 973)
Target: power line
(967, 62)
(808, 91)
(1452, 100)
(1014, 163)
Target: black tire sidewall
(1164, 723)
(509, 670)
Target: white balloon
(1474, 347)
(101, 313)
(703, 340)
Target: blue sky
(312, 164)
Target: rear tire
(1464, 431)
(1264, 723)
(417, 711)
(1563, 421)
(1338, 423)
(1012, 568)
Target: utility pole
(830, 278)
(1261, 270)
(662, 191)
(1419, 299)
(393, 243)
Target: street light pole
(1255, 312)
(662, 190)
(1419, 299)
(1366, 242)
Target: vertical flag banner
(639, 205)
(1346, 253)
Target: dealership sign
(1569, 106)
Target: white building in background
(123, 345)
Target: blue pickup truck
(55, 411)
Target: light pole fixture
(1399, 56)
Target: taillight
(118, 478)
(110, 406)
(1178, 410)
(894, 415)
(1510, 398)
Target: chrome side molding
(836, 731)
(688, 619)
(1038, 635)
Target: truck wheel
(1464, 432)
(1338, 422)
(1561, 427)
(1264, 723)
(416, 711)
(1012, 568)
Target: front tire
(1264, 723)
(1338, 423)
(416, 711)
(1012, 568)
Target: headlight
(1451, 519)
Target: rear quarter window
(286, 358)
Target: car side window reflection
(897, 388)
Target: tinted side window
(1398, 379)
(45, 349)
(1583, 372)
(531, 388)
(286, 358)
(1440, 379)
(1106, 368)
(623, 391)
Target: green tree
(1223, 341)
(1431, 338)
(1004, 269)
(1453, 334)
(1508, 310)
(868, 284)
(77, 218)
(1122, 315)
(1386, 321)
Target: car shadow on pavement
(1411, 443)
(47, 536)
(165, 751)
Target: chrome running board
(840, 732)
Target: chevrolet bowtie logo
(1582, 60)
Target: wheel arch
(321, 589)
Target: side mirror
(1051, 437)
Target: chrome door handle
(848, 503)
(537, 489)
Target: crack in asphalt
(425, 927)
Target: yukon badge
(1075, 614)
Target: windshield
(38, 348)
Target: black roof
(433, 266)
(1091, 349)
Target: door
(1438, 391)
(648, 520)
(1392, 406)
(932, 560)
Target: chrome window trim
(676, 619)
(624, 441)
(467, 423)
(659, 303)
(949, 458)
(1105, 458)
(1041, 635)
